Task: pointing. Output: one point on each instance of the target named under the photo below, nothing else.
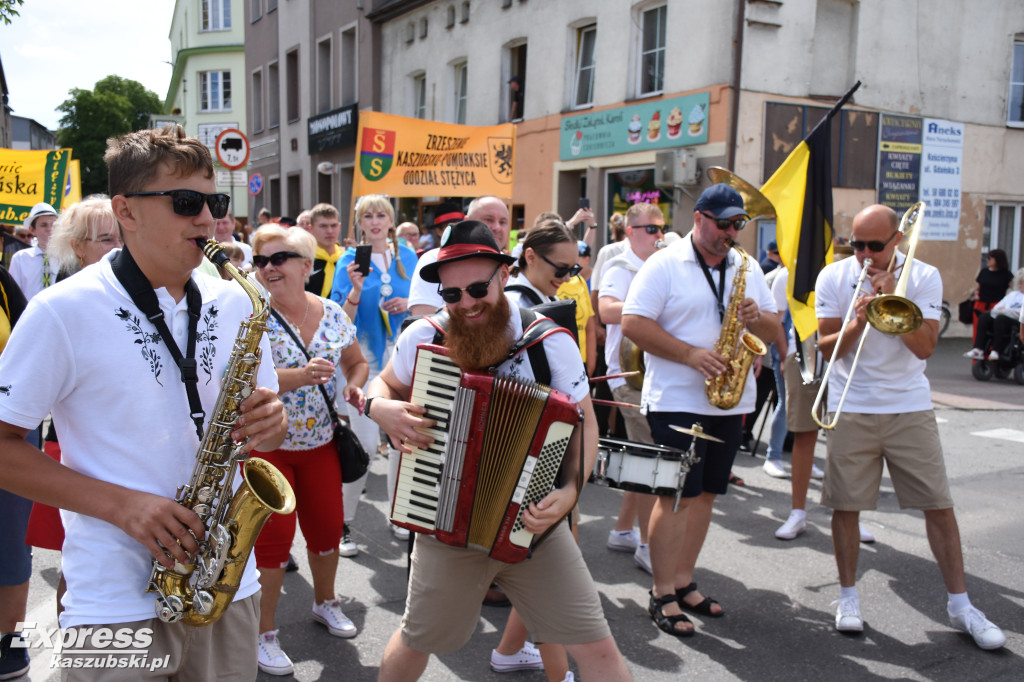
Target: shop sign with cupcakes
(665, 123)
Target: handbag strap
(298, 342)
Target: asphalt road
(777, 595)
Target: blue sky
(57, 45)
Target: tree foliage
(115, 106)
(7, 9)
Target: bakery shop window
(854, 141)
(652, 51)
(586, 39)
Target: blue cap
(721, 201)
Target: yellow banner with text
(28, 177)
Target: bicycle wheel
(944, 317)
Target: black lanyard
(141, 292)
(718, 291)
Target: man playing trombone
(887, 413)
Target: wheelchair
(1011, 361)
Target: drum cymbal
(696, 432)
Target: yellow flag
(28, 178)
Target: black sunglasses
(650, 229)
(189, 203)
(476, 289)
(560, 270)
(873, 245)
(725, 223)
(275, 259)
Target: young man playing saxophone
(674, 311)
(85, 350)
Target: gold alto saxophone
(738, 346)
(199, 593)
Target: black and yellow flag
(801, 191)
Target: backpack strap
(439, 320)
(527, 292)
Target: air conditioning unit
(675, 167)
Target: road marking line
(1002, 434)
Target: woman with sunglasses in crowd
(378, 303)
(283, 260)
(576, 288)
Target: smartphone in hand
(362, 259)
(584, 202)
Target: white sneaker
(975, 354)
(330, 614)
(400, 533)
(774, 469)
(270, 658)
(794, 525)
(624, 540)
(817, 473)
(347, 547)
(527, 658)
(642, 557)
(993, 356)
(972, 621)
(866, 536)
(569, 677)
(848, 615)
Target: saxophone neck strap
(143, 296)
(718, 291)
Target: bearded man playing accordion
(552, 589)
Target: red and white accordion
(498, 445)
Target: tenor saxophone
(199, 593)
(738, 346)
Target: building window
(1003, 231)
(516, 87)
(273, 96)
(323, 76)
(291, 84)
(1015, 115)
(465, 11)
(652, 51)
(586, 39)
(461, 71)
(271, 6)
(256, 10)
(257, 101)
(423, 28)
(854, 141)
(419, 96)
(349, 67)
(451, 16)
(214, 15)
(215, 91)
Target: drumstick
(613, 403)
(621, 375)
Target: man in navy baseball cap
(721, 201)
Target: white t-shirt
(671, 290)
(27, 270)
(618, 275)
(568, 374)
(85, 352)
(605, 254)
(1009, 305)
(515, 298)
(889, 378)
(779, 285)
(422, 292)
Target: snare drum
(641, 467)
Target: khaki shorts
(909, 445)
(799, 398)
(552, 591)
(637, 428)
(225, 650)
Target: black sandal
(703, 608)
(668, 623)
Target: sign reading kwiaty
(410, 157)
(29, 177)
(941, 169)
(675, 122)
(899, 161)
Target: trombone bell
(895, 315)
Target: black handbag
(966, 312)
(351, 454)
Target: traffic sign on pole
(232, 148)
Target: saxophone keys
(202, 603)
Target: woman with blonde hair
(83, 233)
(378, 303)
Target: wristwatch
(366, 406)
